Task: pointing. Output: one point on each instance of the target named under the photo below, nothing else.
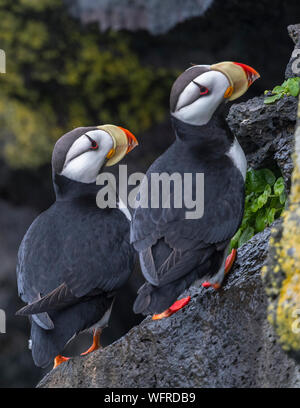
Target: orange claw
(60, 359)
(179, 304)
(228, 265)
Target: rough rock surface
(293, 67)
(219, 340)
(156, 16)
(266, 132)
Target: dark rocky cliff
(221, 339)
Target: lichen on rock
(281, 275)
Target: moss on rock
(281, 275)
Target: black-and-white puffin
(75, 256)
(176, 252)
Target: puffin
(75, 256)
(176, 251)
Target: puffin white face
(201, 97)
(87, 155)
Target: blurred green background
(61, 73)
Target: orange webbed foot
(60, 359)
(230, 261)
(179, 304)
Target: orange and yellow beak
(251, 74)
(124, 142)
(132, 142)
(240, 77)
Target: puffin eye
(203, 89)
(94, 145)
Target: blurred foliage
(290, 87)
(264, 202)
(61, 75)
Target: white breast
(238, 157)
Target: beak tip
(251, 74)
(131, 145)
(131, 140)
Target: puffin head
(81, 153)
(198, 91)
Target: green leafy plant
(264, 202)
(289, 87)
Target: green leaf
(271, 215)
(279, 186)
(255, 181)
(282, 198)
(261, 220)
(263, 198)
(255, 206)
(235, 239)
(249, 197)
(262, 205)
(269, 176)
(248, 214)
(278, 89)
(275, 203)
(246, 235)
(293, 87)
(272, 99)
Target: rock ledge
(221, 339)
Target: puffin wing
(98, 255)
(193, 239)
(59, 266)
(39, 265)
(223, 211)
(58, 299)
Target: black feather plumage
(175, 251)
(71, 261)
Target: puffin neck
(215, 131)
(67, 189)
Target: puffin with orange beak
(75, 256)
(176, 252)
